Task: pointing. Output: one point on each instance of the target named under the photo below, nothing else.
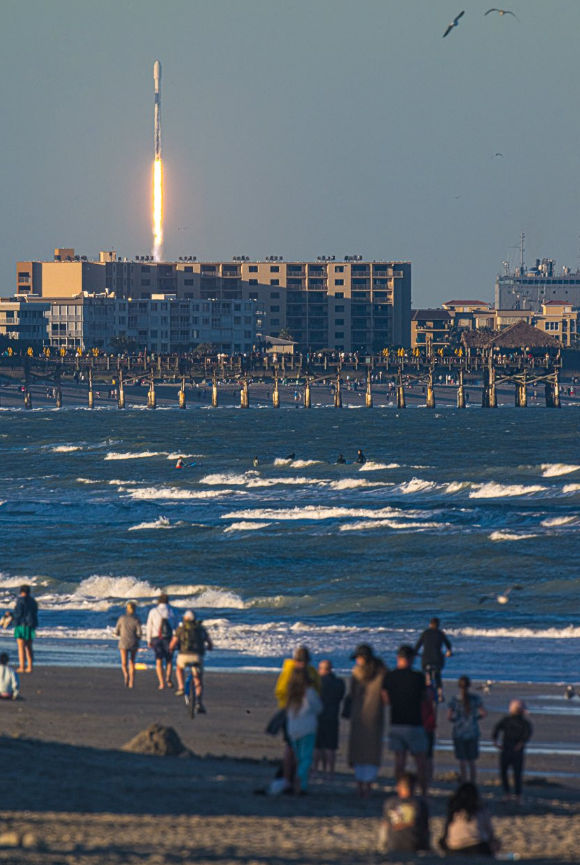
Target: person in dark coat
(331, 693)
(515, 731)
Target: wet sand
(81, 800)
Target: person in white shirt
(161, 623)
(303, 707)
(9, 681)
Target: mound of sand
(158, 740)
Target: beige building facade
(349, 305)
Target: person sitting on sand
(128, 629)
(9, 682)
(405, 823)
(331, 694)
(515, 731)
(303, 706)
(160, 624)
(468, 829)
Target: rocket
(157, 82)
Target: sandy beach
(72, 796)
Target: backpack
(192, 638)
(165, 630)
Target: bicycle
(189, 691)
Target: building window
(188, 281)
(274, 309)
(339, 295)
(275, 321)
(339, 281)
(339, 335)
(274, 282)
(253, 281)
(339, 321)
(145, 268)
(145, 282)
(253, 268)
(274, 268)
(339, 308)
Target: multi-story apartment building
(162, 324)
(348, 305)
(26, 323)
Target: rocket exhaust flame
(157, 170)
(158, 210)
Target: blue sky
(298, 128)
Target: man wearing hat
(406, 692)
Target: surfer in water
(255, 462)
(360, 458)
(180, 464)
(341, 460)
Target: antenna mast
(522, 250)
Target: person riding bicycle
(192, 639)
(433, 640)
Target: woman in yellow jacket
(300, 659)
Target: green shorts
(24, 632)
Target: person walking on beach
(406, 694)
(515, 732)
(9, 681)
(25, 620)
(367, 717)
(303, 706)
(405, 823)
(161, 621)
(468, 828)
(465, 712)
(436, 647)
(192, 639)
(300, 660)
(128, 629)
(331, 694)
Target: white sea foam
(353, 484)
(246, 526)
(100, 590)
(570, 632)
(65, 449)
(253, 480)
(493, 490)
(177, 454)
(457, 487)
(87, 481)
(132, 455)
(510, 536)
(174, 493)
(390, 524)
(371, 466)
(551, 522)
(570, 488)
(161, 523)
(296, 464)
(415, 485)
(229, 479)
(554, 470)
(7, 582)
(312, 512)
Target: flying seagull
(496, 154)
(502, 12)
(453, 24)
(503, 597)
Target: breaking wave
(65, 449)
(554, 470)
(370, 466)
(245, 526)
(161, 523)
(174, 493)
(493, 490)
(510, 536)
(131, 455)
(551, 522)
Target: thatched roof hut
(520, 335)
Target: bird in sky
(496, 154)
(453, 24)
(503, 597)
(502, 12)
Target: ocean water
(452, 507)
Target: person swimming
(179, 464)
(360, 458)
(291, 456)
(341, 460)
(255, 462)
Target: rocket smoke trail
(157, 170)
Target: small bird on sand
(503, 597)
(453, 24)
(570, 692)
(502, 12)
(485, 686)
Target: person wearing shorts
(406, 693)
(192, 640)
(160, 624)
(25, 620)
